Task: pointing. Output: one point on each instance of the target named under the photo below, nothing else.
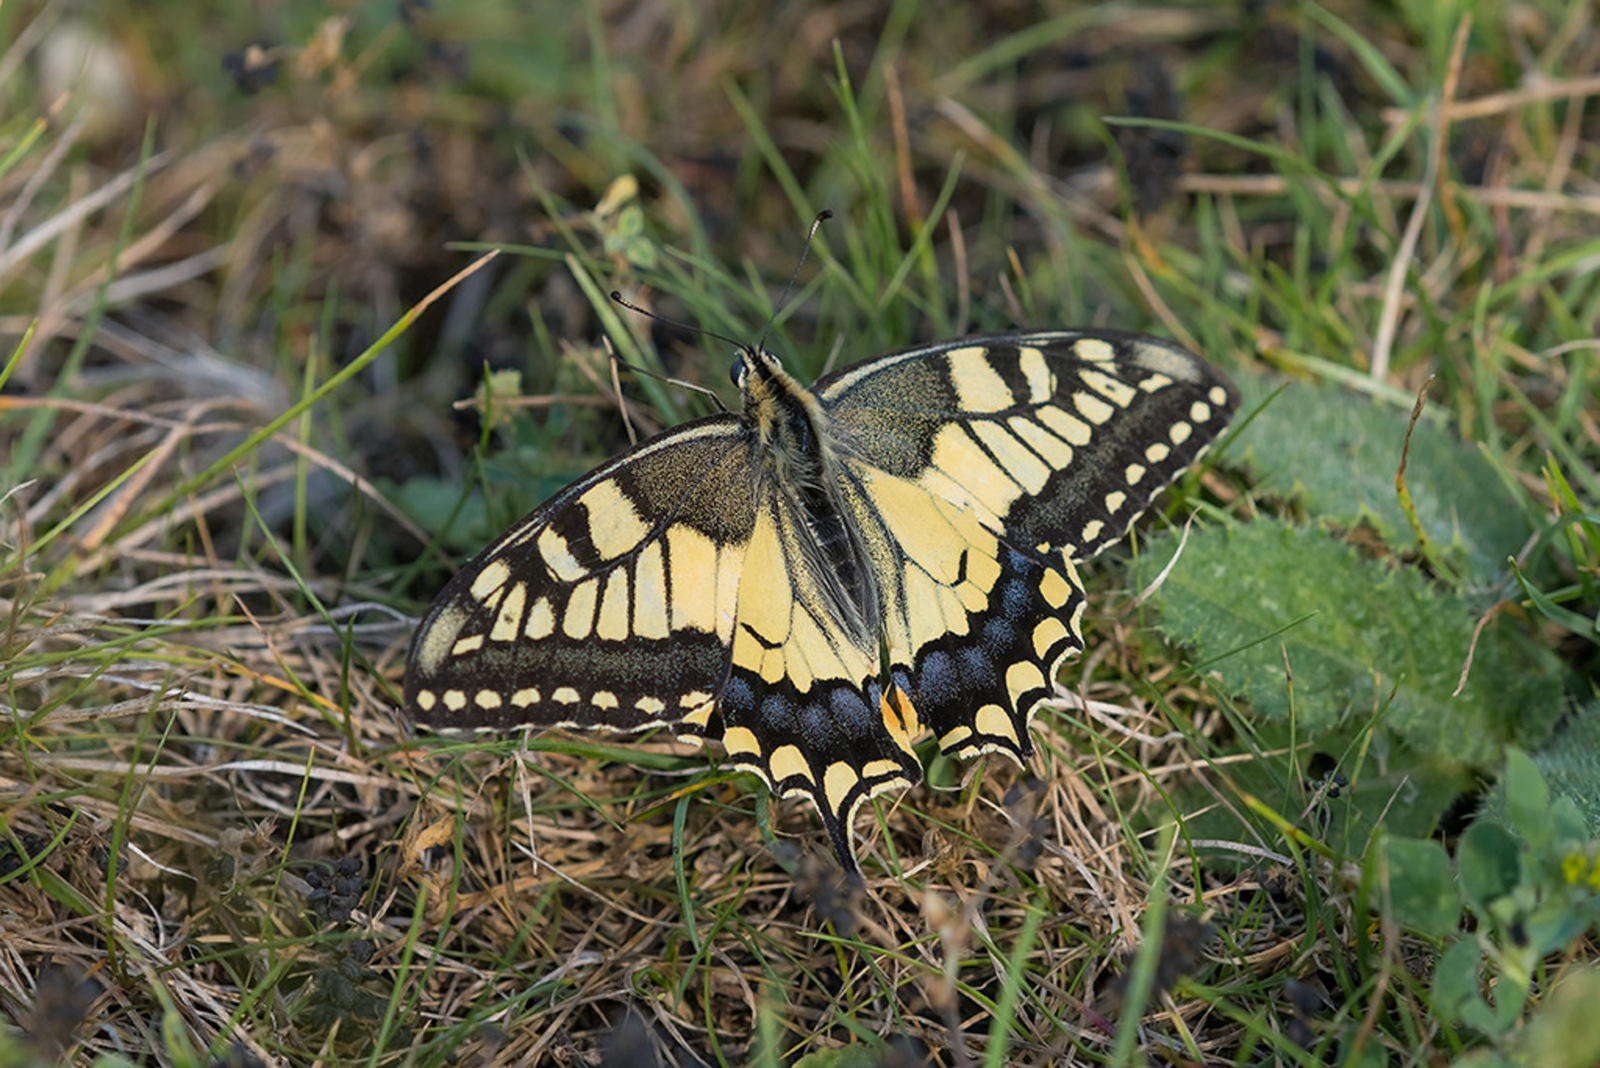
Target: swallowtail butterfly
(828, 574)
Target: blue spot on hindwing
(937, 681)
(977, 670)
(737, 696)
(999, 635)
(848, 707)
(816, 727)
(777, 713)
(1015, 598)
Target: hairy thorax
(798, 453)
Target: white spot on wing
(1036, 372)
(488, 581)
(558, 556)
(1056, 453)
(541, 620)
(509, 622)
(650, 593)
(978, 386)
(1120, 393)
(577, 616)
(1092, 408)
(615, 526)
(1064, 423)
(1169, 360)
(1094, 348)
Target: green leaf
(1527, 800)
(1510, 995)
(1552, 927)
(1362, 641)
(1455, 980)
(1456, 995)
(1490, 863)
(1421, 887)
(1338, 452)
(1569, 765)
(850, 1057)
(433, 501)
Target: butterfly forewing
(611, 606)
(1057, 439)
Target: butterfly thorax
(798, 454)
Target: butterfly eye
(736, 373)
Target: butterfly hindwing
(804, 706)
(974, 627)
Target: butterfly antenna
(618, 361)
(816, 224)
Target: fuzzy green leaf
(1338, 453)
(1455, 980)
(1421, 886)
(1490, 864)
(1360, 641)
(1570, 768)
(1527, 800)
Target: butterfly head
(760, 378)
(748, 360)
(784, 412)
